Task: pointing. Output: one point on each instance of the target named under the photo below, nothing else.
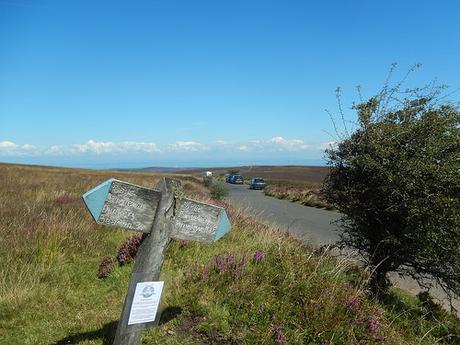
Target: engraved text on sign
(196, 221)
(129, 206)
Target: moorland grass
(307, 194)
(254, 286)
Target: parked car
(257, 183)
(236, 179)
(227, 178)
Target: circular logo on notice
(148, 291)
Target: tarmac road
(311, 225)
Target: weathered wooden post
(161, 215)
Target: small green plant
(218, 191)
(207, 181)
(433, 309)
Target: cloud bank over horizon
(277, 149)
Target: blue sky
(195, 83)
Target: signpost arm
(160, 216)
(148, 262)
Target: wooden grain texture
(149, 261)
(196, 221)
(130, 206)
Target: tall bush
(396, 179)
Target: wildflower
(281, 339)
(228, 264)
(258, 256)
(183, 243)
(106, 267)
(374, 326)
(355, 301)
(278, 331)
(128, 249)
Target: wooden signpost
(161, 215)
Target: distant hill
(164, 170)
(273, 172)
(296, 173)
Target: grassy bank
(307, 194)
(254, 286)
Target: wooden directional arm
(160, 215)
(125, 205)
(197, 221)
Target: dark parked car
(236, 179)
(257, 183)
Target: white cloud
(7, 144)
(103, 147)
(278, 140)
(187, 146)
(9, 148)
(289, 144)
(28, 147)
(275, 145)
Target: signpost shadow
(106, 333)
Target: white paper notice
(145, 302)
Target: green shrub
(207, 181)
(218, 191)
(396, 179)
